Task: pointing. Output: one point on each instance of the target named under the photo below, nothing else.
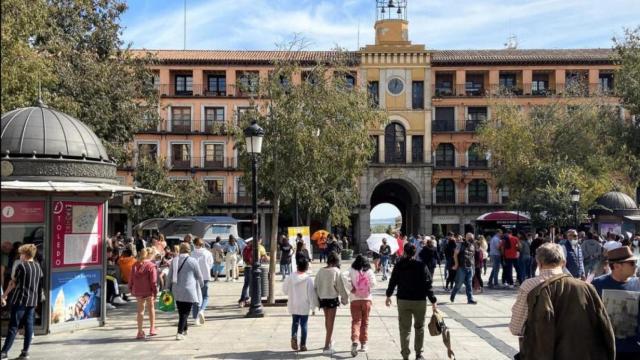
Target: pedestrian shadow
(265, 355)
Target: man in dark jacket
(413, 280)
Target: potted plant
(347, 254)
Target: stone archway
(405, 197)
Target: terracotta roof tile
(242, 56)
(439, 57)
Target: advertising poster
(292, 233)
(77, 233)
(622, 307)
(610, 228)
(75, 296)
(22, 211)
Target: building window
(445, 119)
(181, 119)
(147, 152)
(180, 156)
(445, 155)
(241, 193)
(350, 80)
(376, 154)
(242, 111)
(213, 117)
(444, 85)
(474, 85)
(445, 192)
(374, 93)
(248, 82)
(215, 187)
(184, 85)
(417, 95)
(540, 84)
(475, 117)
(213, 156)
(477, 157)
(606, 82)
(310, 77)
(508, 82)
(394, 143)
(417, 149)
(478, 192)
(576, 83)
(217, 84)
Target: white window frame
(170, 115)
(180, 142)
(145, 142)
(224, 185)
(203, 143)
(203, 115)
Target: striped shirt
(520, 308)
(28, 279)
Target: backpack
(247, 255)
(362, 287)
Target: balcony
(497, 89)
(228, 198)
(447, 125)
(443, 91)
(472, 125)
(180, 164)
(207, 127)
(478, 164)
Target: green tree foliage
(190, 196)
(627, 79)
(316, 140)
(542, 154)
(73, 49)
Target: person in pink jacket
(143, 284)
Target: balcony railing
(203, 163)
(472, 125)
(179, 164)
(443, 91)
(478, 164)
(443, 125)
(445, 163)
(203, 90)
(228, 198)
(208, 127)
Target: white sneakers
(110, 307)
(201, 318)
(354, 349)
(179, 336)
(118, 301)
(364, 348)
(328, 350)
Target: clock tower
(392, 27)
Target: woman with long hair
(186, 284)
(331, 291)
(363, 280)
(143, 285)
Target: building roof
(40, 131)
(438, 57)
(615, 200)
(522, 56)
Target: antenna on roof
(512, 42)
(184, 44)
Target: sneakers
(201, 318)
(110, 307)
(328, 350)
(196, 322)
(472, 302)
(363, 347)
(23, 355)
(419, 357)
(118, 301)
(294, 344)
(354, 349)
(179, 336)
(303, 347)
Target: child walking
(362, 280)
(331, 289)
(302, 298)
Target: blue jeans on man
(524, 266)
(496, 260)
(197, 308)
(244, 295)
(300, 320)
(463, 275)
(20, 314)
(285, 270)
(384, 262)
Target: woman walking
(301, 299)
(186, 282)
(449, 249)
(231, 260)
(301, 251)
(143, 284)
(479, 260)
(330, 288)
(362, 280)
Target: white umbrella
(375, 241)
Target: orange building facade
(426, 161)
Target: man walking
(568, 319)
(573, 254)
(496, 258)
(385, 254)
(622, 284)
(24, 295)
(413, 280)
(592, 253)
(464, 264)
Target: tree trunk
(273, 249)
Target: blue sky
(439, 24)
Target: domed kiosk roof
(615, 200)
(44, 132)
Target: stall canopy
(77, 187)
(506, 216)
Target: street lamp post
(253, 140)
(575, 199)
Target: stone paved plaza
(478, 332)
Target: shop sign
(22, 211)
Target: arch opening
(405, 198)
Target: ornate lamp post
(575, 199)
(253, 139)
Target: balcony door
(394, 144)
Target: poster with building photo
(622, 307)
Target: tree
(316, 141)
(540, 155)
(190, 196)
(73, 50)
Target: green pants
(408, 309)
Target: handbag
(438, 327)
(166, 302)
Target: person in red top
(143, 284)
(509, 247)
(400, 240)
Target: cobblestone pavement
(478, 332)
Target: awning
(75, 186)
(634, 218)
(511, 216)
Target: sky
(384, 211)
(439, 24)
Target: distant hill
(387, 221)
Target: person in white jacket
(302, 298)
(205, 262)
(363, 280)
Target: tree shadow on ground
(273, 355)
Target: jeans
(183, 315)
(360, 310)
(285, 269)
(205, 300)
(300, 320)
(384, 261)
(323, 255)
(524, 266)
(20, 314)
(244, 295)
(509, 264)
(495, 269)
(463, 275)
(408, 310)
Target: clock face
(395, 86)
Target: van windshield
(218, 230)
